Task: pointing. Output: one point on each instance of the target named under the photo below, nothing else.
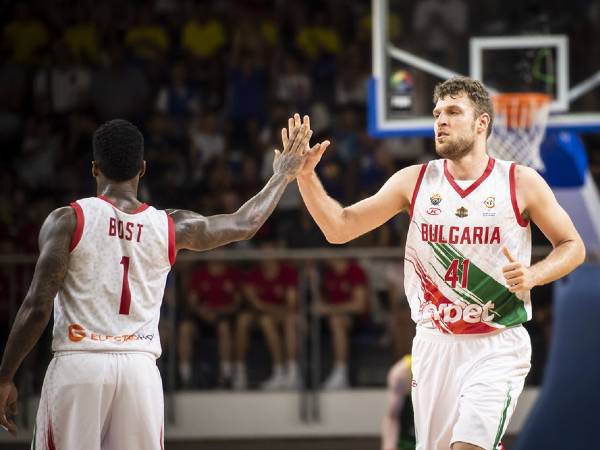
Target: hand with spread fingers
(312, 154)
(8, 406)
(519, 278)
(291, 160)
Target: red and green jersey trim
(508, 309)
(482, 305)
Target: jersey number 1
(452, 273)
(125, 292)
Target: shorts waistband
(437, 336)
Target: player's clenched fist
(518, 277)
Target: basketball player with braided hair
(468, 271)
(102, 268)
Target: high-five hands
(312, 154)
(519, 278)
(291, 160)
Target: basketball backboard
(418, 44)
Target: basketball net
(519, 127)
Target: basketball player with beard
(467, 266)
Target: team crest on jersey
(462, 212)
(490, 202)
(436, 199)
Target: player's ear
(143, 169)
(95, 169)
(483, 123)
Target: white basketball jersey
(453, 261)
(111, 296)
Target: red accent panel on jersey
(50, 437)
(79, 227)
(416, 190)
(172, 246)
(473, 186)
(513, 196)
(141, 208)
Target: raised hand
(312, 154)
(291, 160)
(519, 277)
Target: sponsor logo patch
(75, 332)
(434, 211)
(435, 199)
(462, 212)
(490, 202)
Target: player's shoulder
(525, 172)
(527, 179)
(60, 222)
(63, 216)
(406, 178)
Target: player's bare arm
(538, 204)
(35, 311)
(342, 224)
(196, 232)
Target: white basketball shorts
(100, 401)
(465, 387)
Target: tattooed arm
(196, 232)
(34, 313)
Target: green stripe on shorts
(503, 417)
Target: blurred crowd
(210, 84)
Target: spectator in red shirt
(212, 299)
(271, 289)
(343, 295)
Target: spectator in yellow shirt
(147, 40)
(26, 36)
(203, 36)
(81, 37)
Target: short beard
(456, 149)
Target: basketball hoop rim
(536, 99)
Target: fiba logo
(76, 332)
(401, 82)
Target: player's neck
(470, 166)
(123, 194)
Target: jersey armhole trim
(79, 227)
(513, 196)
(172, 247)
(416, 190)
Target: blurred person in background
(212, 300)
(343, 300)
(398, 425)
(271, 289)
